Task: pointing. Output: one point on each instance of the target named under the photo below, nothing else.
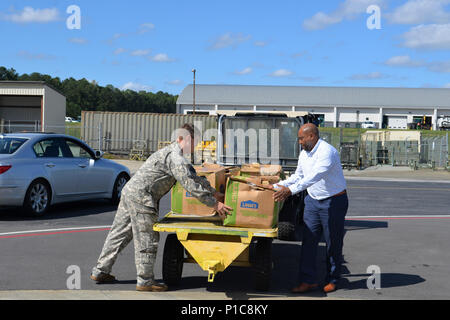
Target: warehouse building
(393, 108)
(31, 106)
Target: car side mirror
(98, 154)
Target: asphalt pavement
(397, 223)
(384, 172)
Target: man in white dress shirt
(319, 171)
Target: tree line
(89, 96)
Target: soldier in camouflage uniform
(138, 209)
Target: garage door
(19, 113)
(397, 122)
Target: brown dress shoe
(329, 288)
(103, 278)
(157, 287)
(304, 287)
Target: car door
(60, 167)
(94, 178)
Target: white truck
(443, 123)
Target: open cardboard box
(252, 207)
(184, 203)
(256, 169)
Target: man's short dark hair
(193, 132)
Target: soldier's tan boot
(103, 278)
(157, 287)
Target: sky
(155, 45)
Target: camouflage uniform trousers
(132, 221)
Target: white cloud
(260, 43)
(176, 82)
(244, 71)
(135, 87)
(78, 40)
(146, 27)
(432, 36)
(310, 79)
(142, 29)
(115, 37)
(406, 61)
(281, 73)
(420, 11)
(119, 51)
(35, 56)
(320, 21)
(300, 54)
(161, 57)
(228, 40)
(403, 61)
(349, 9)
(368, 76)
(140, 53)
(119, 35)
(447, 85)
(439, 66)
(31, 15)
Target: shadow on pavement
(388, 280)
(238, 282)
(351, 225)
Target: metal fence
(428, 151)
(432, 151)
(359, 148)
(8, 126)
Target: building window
(202, 113)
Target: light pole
(193, 110)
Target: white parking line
(399, 188)
(347, 218)
(394, 179)
(444, 216)
(52, 230)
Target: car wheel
(37, 199)
(120, 182)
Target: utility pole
(193, 110)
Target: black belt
(339, 194)
(336, 195)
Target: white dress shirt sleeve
(298, 175)
(320, 168)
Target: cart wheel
(262, 263)
(172, 260)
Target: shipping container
(121, 132)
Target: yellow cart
(214, 247)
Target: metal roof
(25, 84)
(316, 96)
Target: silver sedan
(41, 169)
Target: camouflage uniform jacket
(160, 173)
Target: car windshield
(9, 145)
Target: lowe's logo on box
(249, 204)
(189, 195)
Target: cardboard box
(230, 172)
(251, 208)
(256, 169)
(184, 203)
